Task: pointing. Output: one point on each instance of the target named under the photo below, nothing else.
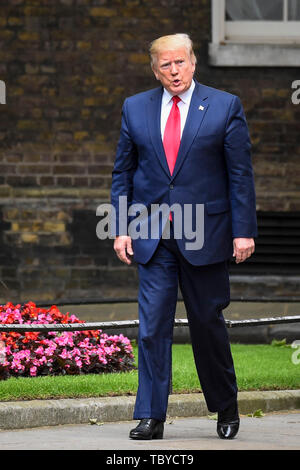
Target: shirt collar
(185, 96)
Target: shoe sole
(141, 438)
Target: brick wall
(68, 65)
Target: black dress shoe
(228, 422)
(148, 428)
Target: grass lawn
(258, 367)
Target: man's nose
(174, 69)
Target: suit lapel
(197, 110)
(153, 114)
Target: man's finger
(123, 256)
(129, 248)
(123, 248)
(242, 255)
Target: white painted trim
(285, 10)
(253, 55)
(253, 43)
(218, 21)
(275, 31)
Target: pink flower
(38, 352)
(78, 362)
(33, 371)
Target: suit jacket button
(171, 186)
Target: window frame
(269, 43)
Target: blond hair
(172, 41)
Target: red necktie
(172, 134)
(171, 139)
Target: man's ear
(194, 65)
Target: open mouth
(176, 82)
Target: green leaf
(94, 421)
(215, 416)
(278, 342)
(256, 414)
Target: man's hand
(123, 248)
(243, 248)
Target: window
(255, 33)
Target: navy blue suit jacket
(213, 168)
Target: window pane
(247, 10)
(294, 10)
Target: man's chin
(176, 90)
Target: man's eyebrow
(168, 61)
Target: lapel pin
(201, 107)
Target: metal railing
(134, 323)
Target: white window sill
(254, 55)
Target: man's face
(174, 69)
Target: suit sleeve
(237, 151)
(122, 175)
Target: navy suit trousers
(206, 292)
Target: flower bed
(55, 353)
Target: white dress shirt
(183, 105)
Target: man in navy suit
(184, 145)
